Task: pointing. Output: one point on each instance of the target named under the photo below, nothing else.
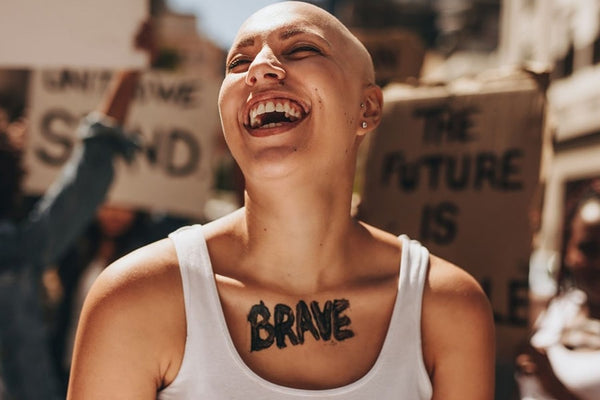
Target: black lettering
(186, 94)
(486, 285)
(408, 179)
(80, 80)
(322, 318)
(518, 302)
(256, 341)
(179, 93)
(459, 125)
(151, 148)
(441, 123)
(165, 93)
(438, 223)
(340, 321)
(284, 320)
(433, 124)
(62, 140)
(304, 322)
(185, 166)
(51, 79)
(457, 177)
(485, 169)
(510, 169)
(445, 220)
(434, 162)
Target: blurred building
(183, 49)
(565, 35)
(442, 39)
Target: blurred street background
(491, 132)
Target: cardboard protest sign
(457, 167)
(176, 116)
(58, 33)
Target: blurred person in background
(288, 297)
(30, 244)
(562, 359)
(115, 231)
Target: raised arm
(458, 335)
(70, 203)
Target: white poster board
(61, 33)
(176, 116)
(457, 167)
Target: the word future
(321, 323)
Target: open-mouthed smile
(275, 112)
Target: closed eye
(237, 62)
(300, 50)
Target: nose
(265, 68)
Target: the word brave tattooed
(320, 323)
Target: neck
(299, 232)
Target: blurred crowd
(52, 247)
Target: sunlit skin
(294, 239)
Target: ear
(372, 111)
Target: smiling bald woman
(288, 297)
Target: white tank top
(212, 369)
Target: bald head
(357, 57)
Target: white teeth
(272, 125)
(288, 108)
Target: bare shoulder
(140, 278)
(458, 333)
(448, 282)
(132, 327)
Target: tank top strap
(414, 265)
(403, 341)
(194, 264)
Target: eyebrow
(284, 35)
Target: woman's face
(292, 93)
(582, 255)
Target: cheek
(227, 106)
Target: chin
(273, 163)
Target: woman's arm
(131, 332)
(458, 335)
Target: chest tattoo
(323, 323)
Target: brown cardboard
(491, 127)
(397, 54)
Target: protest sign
(457, 167)
(176, 116)
(60, 33)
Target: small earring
(362, 105)
(364, 124)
